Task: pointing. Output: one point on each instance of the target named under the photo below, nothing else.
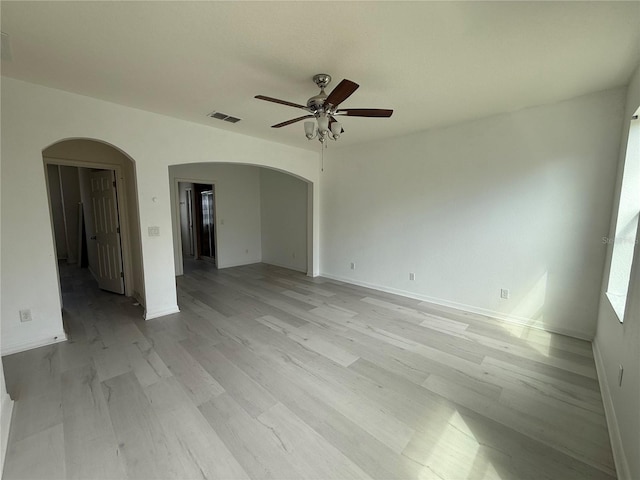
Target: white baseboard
(6, 410)
(161, 313)
(288, 267)
(238, 264)
(138, 298)
(528, 322)
(619, 457)
(40, 342)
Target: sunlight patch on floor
(531, 306)
(457, 454)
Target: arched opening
(93, 203)
(258, 215)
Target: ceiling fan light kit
(325, 129)
(324, 108)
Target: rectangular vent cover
(223, 116)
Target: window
(626, 238)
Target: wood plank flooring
(269, 374)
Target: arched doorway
(101, 234)
(261, 215)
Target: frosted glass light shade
(336, 128)
(323, 124)
(308, 128)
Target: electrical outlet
(504, 293)
(293, 255)
(412, 276)
(246, 250)
(25, 315)
(353, 266)
(620, 373)
(154, 231)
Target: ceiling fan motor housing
(315, 103)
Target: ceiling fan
(324, 108)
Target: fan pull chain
(322, 147)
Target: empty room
(320, 240)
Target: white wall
(619, 344)
(519, 201)
(6, 404)
(237, 197)
(34, 117)
(283, 207)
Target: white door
(107, 231)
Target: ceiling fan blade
(365, 112)
(289, 122)
(281, 102)
(333, 119)
(342, 91)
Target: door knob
(93, 237)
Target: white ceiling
(434, 63)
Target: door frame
(190, 222)
(200, 223)
(177, 236)
(121, 195)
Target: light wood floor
(269, 374)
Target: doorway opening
(259, 215)
(197, 205)
(86, 222)
(94, 216)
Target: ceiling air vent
(223, 116)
